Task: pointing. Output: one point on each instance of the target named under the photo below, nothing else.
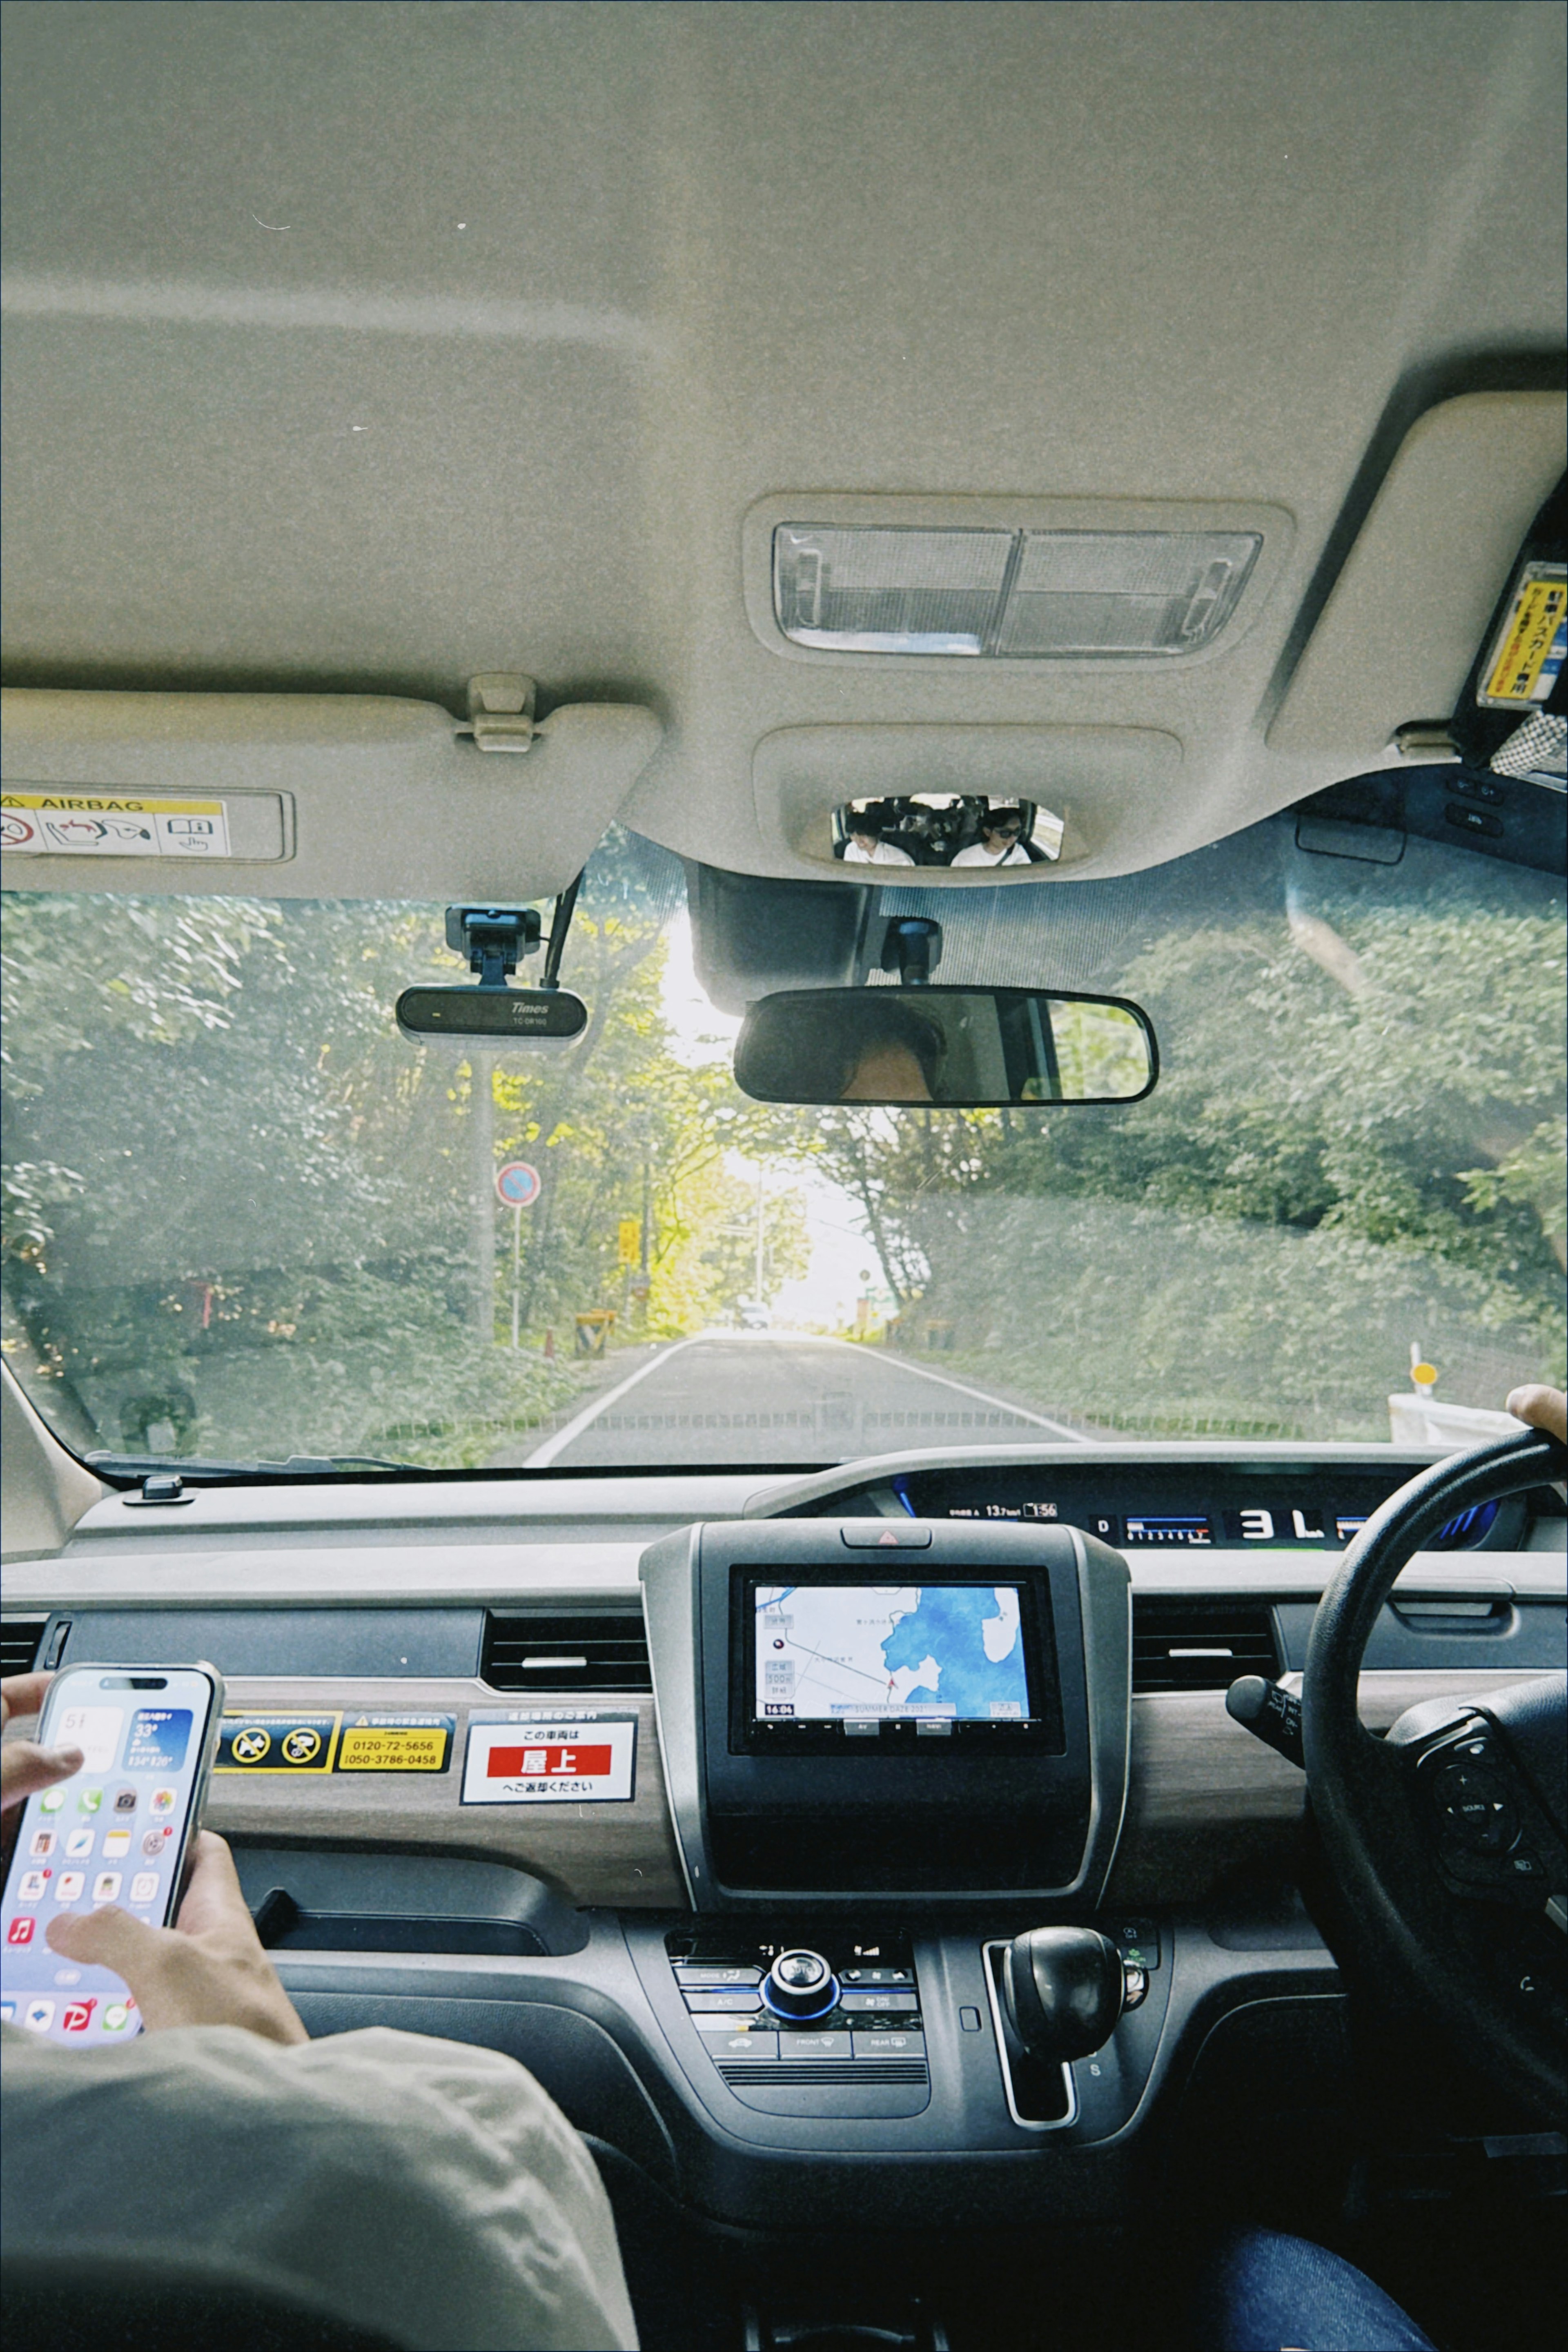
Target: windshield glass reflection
(245, 1219)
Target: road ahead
(762, 1397)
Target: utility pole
(646, 1215)
(482, 1113)
(762, 1177)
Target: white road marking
(897, 1363)
(543, 1455)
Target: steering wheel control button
(720, 2001)
(1476, 1807)
(886, 1535)
(800, 1984)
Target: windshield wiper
(197, 1466)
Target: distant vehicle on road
(752, 1315)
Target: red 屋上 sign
(519, 1763)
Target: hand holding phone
(208, 1969)
(111, 1799)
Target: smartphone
(117, 1833)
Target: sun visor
(307, 795)
(1397, 635)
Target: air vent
(1184, 1645)
(863, 2073)
(590, 1649)
(19, 1639)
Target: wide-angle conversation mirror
(954, 829)
(957, 1048)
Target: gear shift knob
(1063, 1989)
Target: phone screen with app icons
(117, 1833)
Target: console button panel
(866, 2033)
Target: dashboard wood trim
(622, 1854)
(1207, 1801)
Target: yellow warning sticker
(276, 1743)
(1526, 659)
(60, 822)
(377, 1745)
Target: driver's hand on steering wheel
(1544, 1409)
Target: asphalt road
(766, 1397)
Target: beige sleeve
(428, 2189)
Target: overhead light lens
(1075, 596)
(889, 592)
(1092, 593)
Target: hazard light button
(886, 1535)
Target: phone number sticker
(532, 1758)
(395, 1743)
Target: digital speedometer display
(1191, 1507)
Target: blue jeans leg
(1267, 2293)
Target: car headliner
(355, 350)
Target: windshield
(247, 1220)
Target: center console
(914, 1713)
(896, 1757)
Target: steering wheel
(1448, 1840)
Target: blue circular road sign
(518, 1184)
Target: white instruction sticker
(573, 1759)
(111, 825)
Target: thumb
(25, 1767)
(110, 1938)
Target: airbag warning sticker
(94, 824)
(521, 1758)
(293, 1744)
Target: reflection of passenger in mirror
(950, 829)
(864, 1046)
(889, 1053)
(866, 844)
(1000, 841)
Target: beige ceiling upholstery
(355, 349)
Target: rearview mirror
(960, 1049)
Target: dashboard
(567, 1763)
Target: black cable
(560, 924)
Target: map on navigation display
(827, 1650)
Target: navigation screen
(861, 1653)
